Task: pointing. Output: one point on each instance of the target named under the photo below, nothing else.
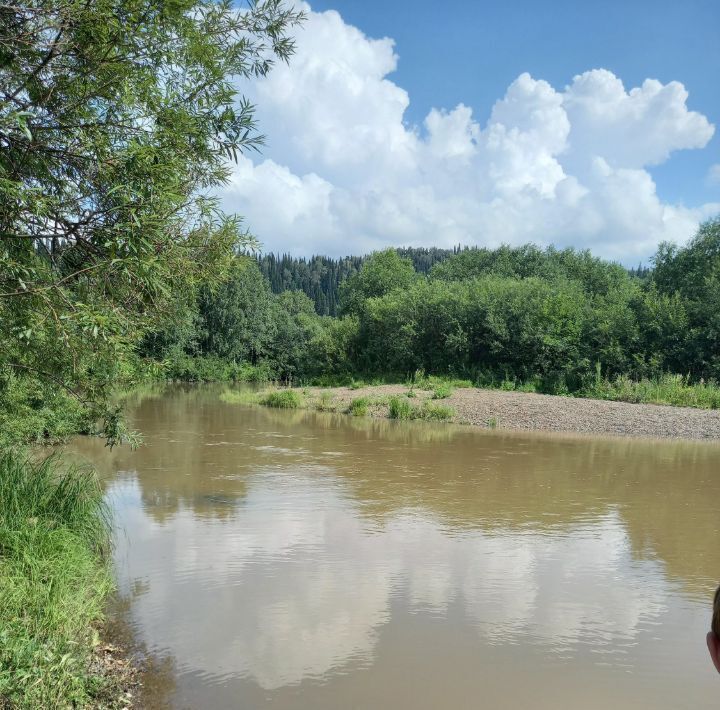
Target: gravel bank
(524, 411)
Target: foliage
(35, 411)
(436, 412)
(210, 368)
(382, 273)
(282, 399)
(674, 390)
(359, 407)
(117, 119)
(245, 397)
(523, 319)
(54, 537)
(234, 317)
(320, 277)
(400, 408)
(691, 275)
(442, 391)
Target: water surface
(272, 559)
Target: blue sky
(404, 123)
(455, 51)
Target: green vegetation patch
(442, 391)
(436, 412)
(359, 407)
(673, 390)
(246, 397)
(402, 409)
(282, 399)
(54, 579)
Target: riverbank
(55, 580)
(495, 409)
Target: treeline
(319, 277)
(560, 319)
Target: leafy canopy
(117, 121)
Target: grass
(674, 390)
(359, 407)
(402, 409)
(436, 412)
(246, 397)
(325, 402)
(54, 579)
(432, 382)
(282, 399)
(442, 391)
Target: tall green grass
(359, 407)
(674, 390)
(54, 579)
(246, 397)
(282, 399)
(400, 408)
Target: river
(292, 559)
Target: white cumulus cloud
(343, 171)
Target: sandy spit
(540, 412)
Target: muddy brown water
(284, 559)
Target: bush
(436, 412)
(54, 578)
(282, 399)
(442, 391)
(400, 408)
(359, 407)
(35, 412)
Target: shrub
(359, 407)
(436, 412)
(442, 391)
(282, 399)
(400, 408)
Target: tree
(117, 120)
(384, 271)
(693, 272)
(235, 318)
(295, 325)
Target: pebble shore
(540, 412)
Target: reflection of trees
(199, 452)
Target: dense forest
(562, 320)
(319, 277)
